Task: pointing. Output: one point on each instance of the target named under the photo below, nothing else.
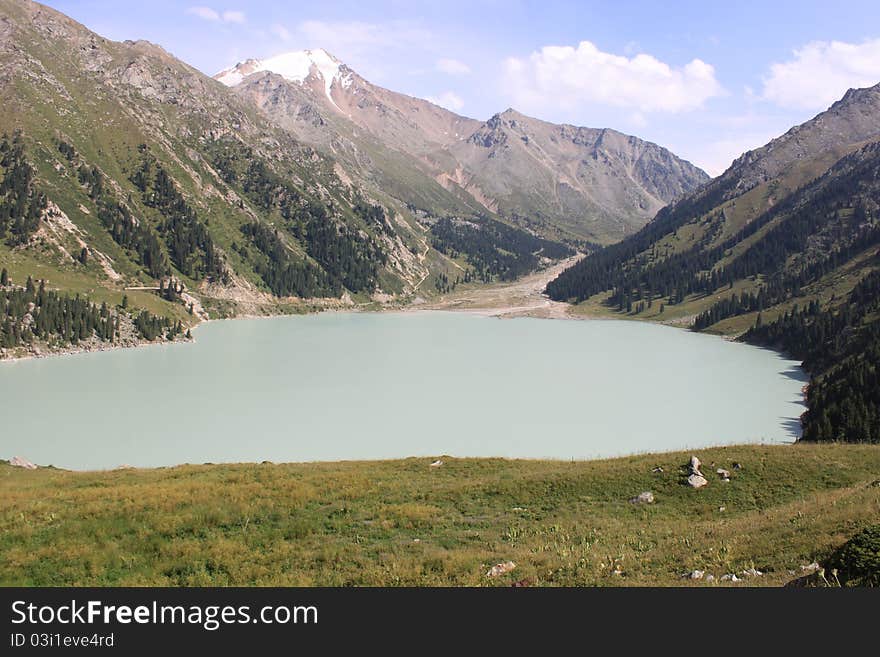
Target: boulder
(695, 574)
(500, 569)
(724, 474)
(436, 464)
(697, 481)
(19, 462)
(646, 497)
(695, 464)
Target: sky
(708, 80)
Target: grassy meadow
(406, 523)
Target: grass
(405, 523)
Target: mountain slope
(148, 170)
(784, 245)
(598, 183)
(589, 184)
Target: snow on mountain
(295, 66)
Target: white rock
(730, 577)
(710, 578)
(695, 574)
(810, 568)
(500, 569)
(436, 464)
(19, 462)
(646, 497)
(724, 474)
(695, 464)
(751, 572)
(697, 481)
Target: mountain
(597, 183)
(784, 249)
(124, 170)
(378, 136)
(566, 181)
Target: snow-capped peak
(295, 66)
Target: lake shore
(520, 298)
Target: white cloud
(573, 77)
(358, 34)
(638, 120)
(452, 67)
(448, 99)
(820, 73)
(281, 32)
(205, 13)
(233, 17)
(208, 14)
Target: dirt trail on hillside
(521, 298)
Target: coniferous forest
(21, 204)
(189, 243)
(33, 313)
(495, 250)
(135, 236)
(840, 347)
(349, 257)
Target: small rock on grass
(696, 481)
(646, 497)
(500, 568)
(20, 462)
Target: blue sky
(706, 79)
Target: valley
(524, 297)
(379, 426)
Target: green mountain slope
(127, 173)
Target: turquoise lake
(339, 386)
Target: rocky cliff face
(599, 181)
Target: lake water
(370, 386)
